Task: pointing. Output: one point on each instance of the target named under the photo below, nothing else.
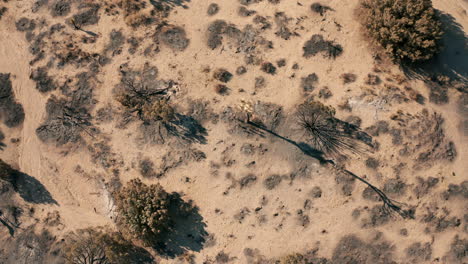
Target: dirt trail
(34, 158)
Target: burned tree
(325, 132)
(141, 94)
(330, 135)
(64, 123)
(68, 116)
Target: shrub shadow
(2, 137)
(140, 255)
(187, 230)
(453, 59)
(32, 190)
(169, 4)
(188, 128)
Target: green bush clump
(408, 30)
(142, 211)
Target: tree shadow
(32, 190)
(452, 61)
(11, 230)
(389, 205)
(169, 4)
(2, 137)
(187, 230)
(304, 147)
(139, 255)
(188, 128)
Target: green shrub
(142, 211)
(408, 30)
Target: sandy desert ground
(259, 195)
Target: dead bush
(95, 246)
(213, 9)
(408, 30)
(64, 122)
(175, 38)
(11, 112)
(269, 68)
(89, 15)
(146, 167)
(351, 249)
(3, 10)
(222, 75)
(308, 83)
(60, 8)
(244, 12)
(44, 83)
(317, 44)
(348, 78)
(320, 8)
(142, 93)
(221, 89)
(159, 110)
(25, 24)
(458, 252)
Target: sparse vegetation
(251, 108)
(408, 30)
(143, 211)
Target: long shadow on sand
(453, 59)
(390, 206)
(32, 190)
(189, 129)
(187, 231)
